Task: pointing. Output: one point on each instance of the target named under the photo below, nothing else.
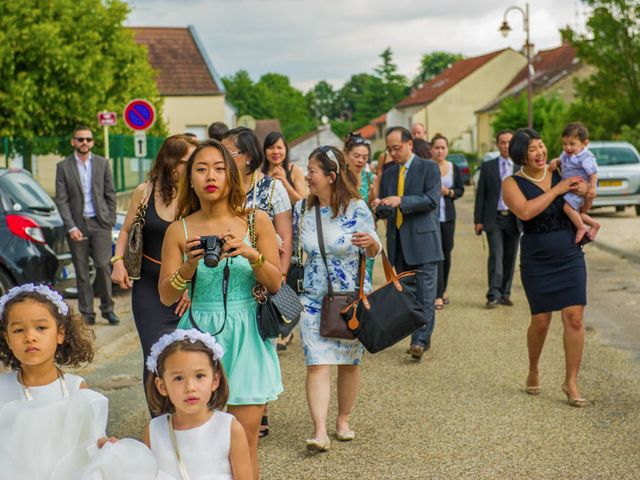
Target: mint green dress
(251, 364)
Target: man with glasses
(409, 200)
(86, 199)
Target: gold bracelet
(180, 277)
(177, 283)
(258, 263)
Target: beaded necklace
(536, 180)
(27, 390)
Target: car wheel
(620, 208)
(5, 282)
(638, 210)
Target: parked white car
(618, 175)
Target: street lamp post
(504, 30)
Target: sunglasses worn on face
(83, 139)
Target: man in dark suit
(86, 198)
(492, 216)
(409, 200)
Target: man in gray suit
(86, 198)
(409, 200)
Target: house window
(199, 131)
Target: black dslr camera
(212, 246)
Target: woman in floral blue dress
(348, 228)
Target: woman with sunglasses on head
(212, 202)
(264, 192)
(347, 229)
(160, 193)
(452, 188)
(280, 167)
(357, 152)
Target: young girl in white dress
(51, 424)
(192, 439)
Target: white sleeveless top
(204, 449)
(447, 181)
(11, 389)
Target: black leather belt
(89, 218)
(504, 213)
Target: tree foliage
(272, 96)
(608, 100)
(432, 64)
(551, 114)
(63, 61)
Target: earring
(248, 162)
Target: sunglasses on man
(83, 139)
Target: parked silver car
(618, 175)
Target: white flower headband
(51, 295)
(192, 335)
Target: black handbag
(278, 313)
(295, 274)
(331, 323)
(389, 313)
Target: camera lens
(212, 246)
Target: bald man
(418, 131)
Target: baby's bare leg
(576, 219)
(594, 226)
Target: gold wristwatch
(258, 263)
(115, 258)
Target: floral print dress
(342, 258)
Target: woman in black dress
(152, 318)
(552, 265)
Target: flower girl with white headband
(51, 424)
(192, 439)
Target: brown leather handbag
(132, 257)
(332, 324)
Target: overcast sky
(312, 40)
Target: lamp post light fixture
(504, 30)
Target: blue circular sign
(139, 114)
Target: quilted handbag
(277, 312)
(388, 314)
(132, 257)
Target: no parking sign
(139, 114)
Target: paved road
(461, 413)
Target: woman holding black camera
(211, 202)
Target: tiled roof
(447, 79)
(547, 64)
(182, 64)
(550, 66)
(381, 119)
(368, 131)
(265, 127)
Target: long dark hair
(188, 201)
(269, 142)
(344, 188)
(162, 172)
(246, 142)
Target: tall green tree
(609, 99)
(63, 61)
(272, 96)
(433, 63)
(323, 100)
(551, 114)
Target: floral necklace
(535, 180)
(27, 390)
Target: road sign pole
(106, 141)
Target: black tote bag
(387, 315)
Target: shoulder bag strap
(300, 220)
(172, 434)
(321, 244)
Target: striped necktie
(399, 219)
